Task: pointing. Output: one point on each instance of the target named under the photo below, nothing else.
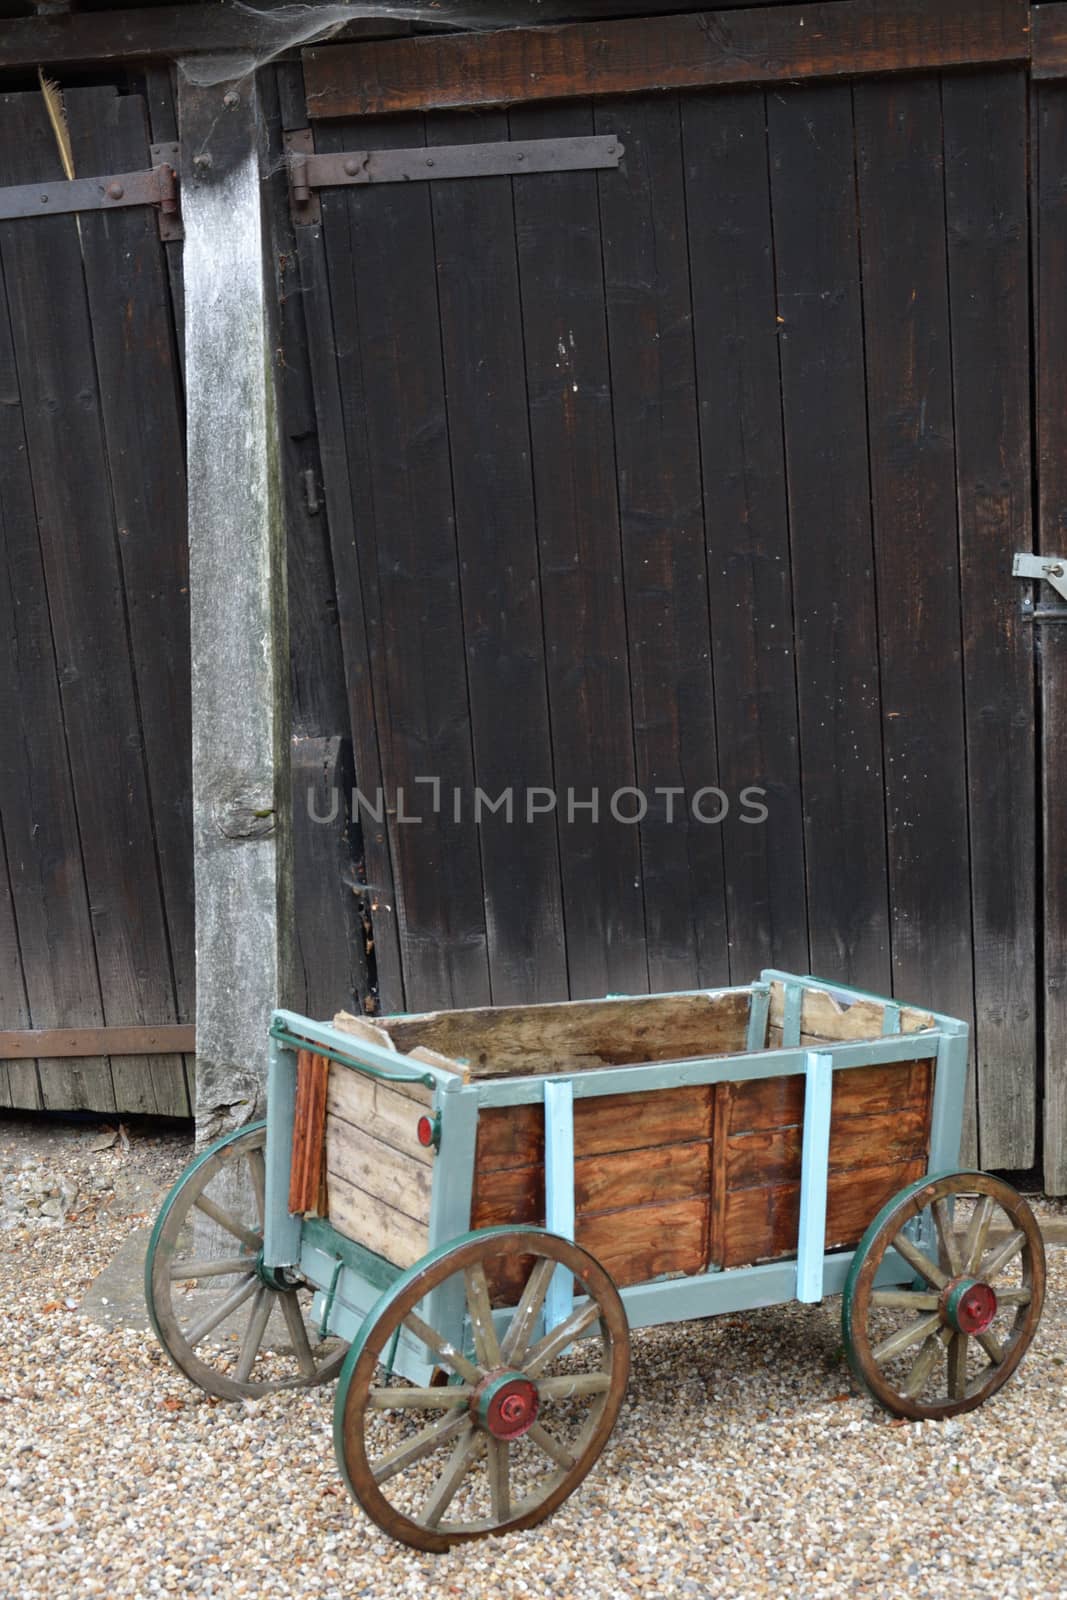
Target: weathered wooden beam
(239, 623)
(756, 45)
(25, 1044)
(1048, 45)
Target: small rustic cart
(480, 1204)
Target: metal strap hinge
(309, 172)
(1048, 569)
(156, 186)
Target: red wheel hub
(968, 1305)
(506, 1404)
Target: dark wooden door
(702, 474)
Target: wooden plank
(747, 529)
(239, 629)
(330, 939)
(72, 1043)
(581, 1034)
(306, 1168)
(349, 512)
(913, 493)
(658, 1239)
(617, 1183)
(569, 387)
(824, 1016)
(758, 45)
(378, 1169)
(985, 123)
(513, 1136)
(858, 1092)
(821, 342)
(1048, 43)
(382, 276)
(374, 1224)
(661, 512)
(492, 486)
(1051, 412)
(142, 412)
(19, 1085)
(386, 1112)
(761, 1223)
(161, 101)
(76, 517)
(773, 1155)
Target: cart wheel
(230, 1325)
(521, 1420)
(948, 1340)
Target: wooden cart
(465, 1213)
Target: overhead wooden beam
(237, 593)
(757, 45)
(24, 1044)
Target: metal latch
(1051, 570)
(157, 186)
(493, 159)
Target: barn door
(701, 474)
(96, 912)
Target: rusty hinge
(158, 186)
(505, 158)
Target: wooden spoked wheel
(946, 1341)
(523, 1414)
(230, 1325)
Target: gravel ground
(744, 1464)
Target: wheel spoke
(440, 1397)
(219, 1313)
(991, 1346)
(486, 1344)
(924, 1364)
(221, 1267)
(446, 1353)
(977, 1233)
(943, 1225)
(499, 1479)
(573, 1386)
(258, 1169)
(224, 1220)
(905, 1299)
(551, 1447)
(550, 1346)
(468, 1450)
(905, 1337)
(919, 1262)
(423, 1444)
(1002, 1255)
(522, 1325)
(957, 1366)
(1014, 1297)
(294, 1321)
(257, 1327)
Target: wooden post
(240, 646)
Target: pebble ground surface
(744, 1462)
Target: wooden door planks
(746, 524)
(757, 45)
(1051, 329)
(913, 493)
(820, 303)
(496, 538)
(985, 138)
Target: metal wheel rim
(261, 1301)
(357, 1382)
(861, 1294)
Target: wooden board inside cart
(668, 1182)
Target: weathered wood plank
(306, 1169)
(657, 1239)
(913, 495)
(386, 1112)
(19, 1086)
(371, 1222)
(985, 123)
(858, 1092)
(820, 328)
(773, 1155)
(74, 1043)
(657, 456)
(747, 528)
(617, 1183)
(379, 1169)
(578, 1034)
(492, 487)
(1051, 412)
(329, 937)
(1048, 44)
(241, 778)
(513, 1136)
(568, 375)
(823, 1016)
(758, 45)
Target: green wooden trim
(373, 1269)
